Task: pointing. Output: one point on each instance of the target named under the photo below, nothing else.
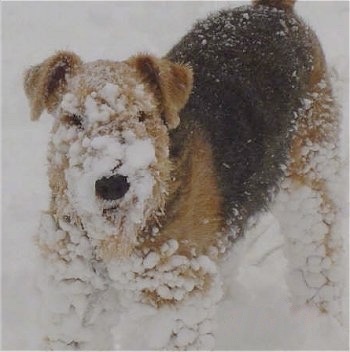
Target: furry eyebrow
(72, 119)
(141, 116)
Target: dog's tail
(286, 5)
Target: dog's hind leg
(308, 205)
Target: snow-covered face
(109, 165)
(106, 140)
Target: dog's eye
(73, 119)
(141, 116)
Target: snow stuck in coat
(98, 305)
(310, 222)
(109, 141)
(90, 303)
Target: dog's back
(251, 66)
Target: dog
(156, 166)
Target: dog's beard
(90, 159)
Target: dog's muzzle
(112, 188)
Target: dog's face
(108, 160)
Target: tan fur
(317, 126)
(194, 216)
(43, 82)
(174, 82)
(110, 247)
(194, 206)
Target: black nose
(112, 188)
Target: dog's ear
(45, 83)
(172, 82)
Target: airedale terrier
(156, 166)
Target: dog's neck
(193, 211)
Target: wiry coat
(143, 193)
(251, 67)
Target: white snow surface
(255, 310)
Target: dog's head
(109, 152)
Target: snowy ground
(254, 313)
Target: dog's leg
(79, 306)
(168, 302)
(161, 301)
(308, 208)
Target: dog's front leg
(167, 303)
(79, 306)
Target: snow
(175, 326)
(70, 103)
(255, 310)
(92, 154)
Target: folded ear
(171, 81)
(45, 83)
